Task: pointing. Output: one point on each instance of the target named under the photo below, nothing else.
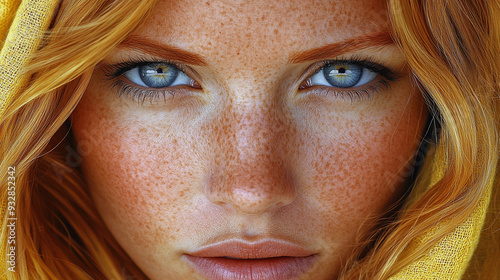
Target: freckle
(312, 27)
(151, 194)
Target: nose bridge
(251, 175)
(255, 128)
(259, 163)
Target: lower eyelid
(144, 96)
(351, 94)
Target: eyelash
(365, 92)
(118, 69)
(112, 72)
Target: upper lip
(240, 249)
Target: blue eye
(158, 75)
(342, 75)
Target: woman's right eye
(158, 75)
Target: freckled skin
(249, 156)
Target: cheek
(354, 164)
(139, 171)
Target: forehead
(270, 27)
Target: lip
(237, 259)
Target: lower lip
(282, 268)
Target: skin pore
(250, 144)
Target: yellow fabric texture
(6, 16)
(23, 22)
(449, 258)
(21, 39)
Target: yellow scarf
(23, 22)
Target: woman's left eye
(158, 75)
(341, 75)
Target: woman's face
(249, 139)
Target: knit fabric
(22, 24)
(449, 258)
(31, 19)
(6, 16)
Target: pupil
(159, 71)
(341, 70)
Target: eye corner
(194, 84)
(305, 84)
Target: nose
(250, 173)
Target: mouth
(236, 259)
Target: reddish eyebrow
(335, 49)
(161, 50)
(328, 51)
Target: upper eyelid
(127, 65)
(121, 68)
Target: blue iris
(158, 75)
(343, 75)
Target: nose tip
(251, 192)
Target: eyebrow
(162, 50)
(331, 50)
(336, 49)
